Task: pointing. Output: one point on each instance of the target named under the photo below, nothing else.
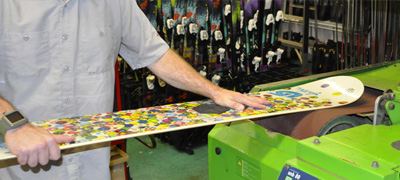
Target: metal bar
(306, 16)
(316, 20)
(361, 34)
(292, 44)
(292, 18)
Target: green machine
(369, 150)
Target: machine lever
(380, 113)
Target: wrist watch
(10, 120)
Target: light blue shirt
(57, 56)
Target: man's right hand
(33, 145)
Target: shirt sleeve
(141, 45)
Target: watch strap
(5, 124)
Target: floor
(165, 162)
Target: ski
(278, 20)
(248, 27)
(226, 29)
(269, 32)
(168, 21)
(178, 32)
(265, 26)
(202, 37)
(216, 50)
(226, 69)
(237, 37)
(191, 32)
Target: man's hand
(237, 100)
(33, 145)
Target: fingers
(51, 150)
(63, 139)
(39, 148)
(259, 100)
(238, 101)
(22, 158)
(237, 106)
(255, 101)
(54, 151)
(252, 101)
(43, 157)
(33, 155)
(33, 158)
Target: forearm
(178, 73)
(4, 106)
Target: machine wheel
(338, 124)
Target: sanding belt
(306, 124)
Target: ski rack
(305, 21)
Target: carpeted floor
(165, 162)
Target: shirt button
(67, 100)
(65, 37)
(101, 33)
(26, 38)
(66, 68)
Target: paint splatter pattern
(106, 125)
(100, 126)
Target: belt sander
(357, 141)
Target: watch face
(15, 117)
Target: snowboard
(90, 129)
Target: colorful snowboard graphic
(90, 129)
